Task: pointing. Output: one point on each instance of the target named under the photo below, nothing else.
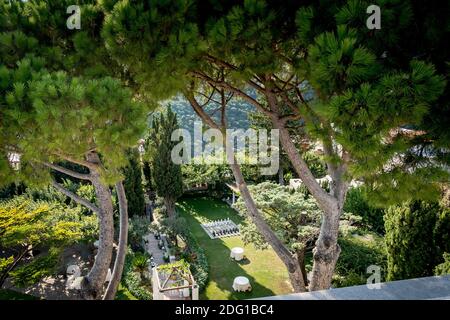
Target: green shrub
(140, 261)
(358, 253)
(11, 190)
(138, 227)
(443, 268)
(316, 164)
(37, 269)
(198, 262)
(356, 203)
(48, 194)
(132, 280)
(415, 239)
(87, 191)
(350, 279)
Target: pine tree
(293, 215)
(166, 175)
(133, 184)
(58, 104)
(316, 62)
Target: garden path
(153, 249)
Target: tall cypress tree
(166, 175)
(133, 184)
(414, 239)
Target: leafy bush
(11, 190)
(350, 224)
(443, 268)
(24, 224)
(132, 280)
(138, 227)
(87, 192)
(140, 261)
(415, 239)
(5, 263)
(87, 224)
(358, 253)
(48, 194)
(34, 271)
(198, 262)
(350, 279)
(356, 203)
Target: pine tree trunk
(92, 286)
(326, 252)
(111, 291)
(327, 249)
(294, 270)
(289, 260)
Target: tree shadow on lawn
(222, 269)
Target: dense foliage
(444, 267)
(133, 184)
(37, 269)
(166, 175)
(132, 279)
(358, 253)
(138, 227)
(414, 234)
(26, 225)
(357, 203)
(198, 262)
(294, 216)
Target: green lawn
(267, 274)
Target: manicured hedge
(199, 265)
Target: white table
(241, 284)
(237, 253)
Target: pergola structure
(174, 282)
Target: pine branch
(69, 172)
(229, 66)
(75, 198)
(231, 89)
(83, 163)
(199, 110)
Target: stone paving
(152, 248)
